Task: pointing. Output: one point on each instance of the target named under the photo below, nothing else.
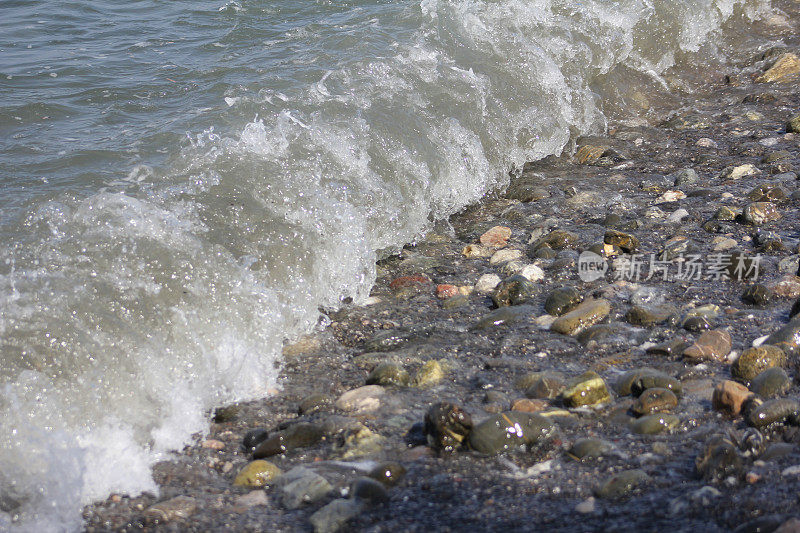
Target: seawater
(183, 184)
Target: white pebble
(504, 256)
(532, 273)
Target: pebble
(487, 283)
(253, 438)
(545, 385)
(508, 431)
(361, 400)
(431, 373)
(787, 65)
(654, 400)
(729, 396)
(504, 256)
(587, 389)
(515, 290)
(447, 426)
(742, 171)
(753, 361)
(625, 241)
(758, 213)
(300, 486)
(532, 273)
(677, 216)
(787, 286)
(178, 508)
(505, 315)
(388, 473)
(757, 294)
(334, 516)
(761, 414)
(527, 405)
(252, 499)
(670, 196)
(315, 403)
(369, 491)
(771, 382)
(445, 291)
(587, 314)
(496, 237)
(562, 300)
(622, 484)
(585, 449)
(713, 345)
(654, 424)
(684, 176)
(388, 374)
(650, 315)
(587, 506)
(256, 474)
(556, 240)
(299, 435)
(719, 460)
(474, 251)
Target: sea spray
(133, 303)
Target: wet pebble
(587, 314)
(587, 389)
(315, 403)
(509, 431)
(654, 424)
(586, 449)
(757, 294)
(719, 459)
(729, 396)
(771, 382)
(431, 373)
(299, 435)
(178, 508)
(758, 213)
(361, 400)
(334, 516)
(655, 400)
(712, 345)
(369, 491)
(755, 360)
(388, 473)
(627, 242)
(515, 290)
(760, 414)
(258, 473)
(300, 486)
(253, 438)
(562, 300)
(388, 374)
(623, 484)
(650, 315)
(447, 426)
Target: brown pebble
(787, 287)
(445, 291)
(213, 444)
(409, 281)
(526, 405)
(497, 237)
(712, 345)
(729, 396)
(752, 477)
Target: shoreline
(484, 366)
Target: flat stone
(729, 396)
(504, 256)
(713, 345)
(588, 313)
(361, 400)
(178, 508)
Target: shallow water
(183, 185)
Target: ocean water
(184, 183)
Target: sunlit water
(184, 183)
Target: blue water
(184, 183)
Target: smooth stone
(487, 283)
(585, 449)
(677, 247)
(674, 346)
(227, 413)
(532, 273)
(622, 484)
(360, 442)
(762, 414)
(767, 193)
(547, 385)
(768, 242)
(587, 389)
(456, 301)
(369, 491)
(757, 294)
(587, 314)
(654, 400)
(334, 516)
(315, 403)
(624, 384)
(253, 498)
(253, 438)
(257, 474)
(301, 485)
(178, 508)
(505, 315)
(776, 450)
(388, 473)
(562, 300)
(739, 172)
(447, 426)
(515, 290)
(504, 256)
(473, 251)
(654, 424)
(787, 338)
(696, 324)
(771, 382)
(787, 286)
(556, 240)
(755, 360)
(684, 176)
(713, 345)
(387, 374)
(727, 214)
(627, 242)
(299, 435)
(729, 396)
(650, 315)
(508, 431)
(386, 341)
(361, 400)
(527, 405)
(656, 380)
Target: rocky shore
(610, 344)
